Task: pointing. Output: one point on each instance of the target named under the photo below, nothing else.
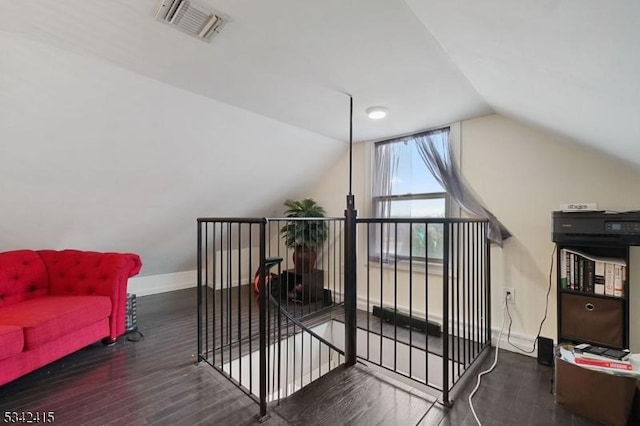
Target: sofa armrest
(75, 272)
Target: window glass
(411, 192)
(411, 175)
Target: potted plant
(304, 236)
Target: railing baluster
(214, 293)
(426, 318)
(222, 295)
(368, 286)
(382, 253)
(209, 330)
(229, 292)
(466, 298)
(456, 259)
(199, 295)
(410, 300)
(263, 325)
(240, 300)
(445, 316)
(395, 298)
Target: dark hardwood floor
(155, 381)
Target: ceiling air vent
(189, 17)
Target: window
(405, 188)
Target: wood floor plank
(354, 395)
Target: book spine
(567, 261)
(589, 275)
(581, 274)
(572, 274)
(563, 270)
(598, 279)
(618, 289)
(608, 279)
(604, 364)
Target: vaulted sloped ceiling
(117, 131)
(290, 60)
(570, 66)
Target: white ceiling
(289, 60)
(569, 66)
(95, 94)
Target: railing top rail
(419, 220)
(233, 219)
(283, 219)
(266, 219)
(360, 219)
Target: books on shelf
(587, 273)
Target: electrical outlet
(509, 294)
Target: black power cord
(546, 310)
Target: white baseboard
(523, 344)
(153, 284)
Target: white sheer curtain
(435, 150)
(387, 159)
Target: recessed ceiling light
(376, 113)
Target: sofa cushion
(23, 276)
(47, 318)
(11, 340)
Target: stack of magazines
(600, 357)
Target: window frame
(421, 261)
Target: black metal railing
(418, 304)
(300, 355)
(423, 298)
(320, 280)
(259, 313)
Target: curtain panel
(436, 152)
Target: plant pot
(305, 259)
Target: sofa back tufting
(74, 272)
(23, 276)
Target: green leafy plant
(307, 234)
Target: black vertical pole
(263, 323)
(445, 314)
(487, 248)
(199, 251)
(350, 260)
(350, 282)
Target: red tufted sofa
(53, 303)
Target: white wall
(96, 157)
(522, 174)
